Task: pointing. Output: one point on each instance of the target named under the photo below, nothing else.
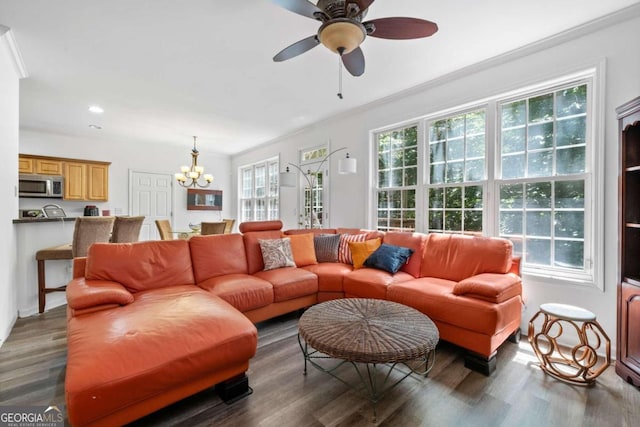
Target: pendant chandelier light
(190, 176)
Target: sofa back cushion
(252, 248)
(371, 234)
(413, 241)
(315, 231)
(143, 265)
(456, 257)
(217, 255)
(250, 226)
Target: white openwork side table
(580, 363)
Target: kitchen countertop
(40, 220)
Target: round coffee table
(369, 332)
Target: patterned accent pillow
(276, 253)
(344, 253)
(326, 246)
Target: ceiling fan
(343, 30)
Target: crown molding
(7, 35)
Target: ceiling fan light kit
(342, 30)
(341, 35)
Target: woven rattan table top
(368, 330)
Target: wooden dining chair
(164, 228)
(229, 225)
(126, 229)
(89, 230)
(213, 227)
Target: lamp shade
(287, 179)
(347, 165)
(342, 35)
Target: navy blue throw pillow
(388, 258)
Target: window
(519, 166)
(397, 179)
(543, 182)
(259, 191)
(456, 173)
(313, 187)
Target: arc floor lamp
(346, 165)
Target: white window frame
(268, 199)
(594, 77)
(313, 165)
(419, 174)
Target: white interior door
(151, 196)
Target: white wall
(610, 39)
(9, 123)
(130, 155)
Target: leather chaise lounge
(150, 323)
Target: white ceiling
(164, 70)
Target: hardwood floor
(32, 367)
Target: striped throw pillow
(326, 246)
(344, 252)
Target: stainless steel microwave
(50, 186)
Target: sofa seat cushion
(242, 291)
(164, 339)
(434, 297)
(330, 275)
(371, 283)
(290, 282)
(490, 287)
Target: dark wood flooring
(32, 367)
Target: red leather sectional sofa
(150, 323)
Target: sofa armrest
(79, 266)
(515, 265)
(492, 287)
(83, 294)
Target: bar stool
(579, 364)
(60, 252)
(87, 230)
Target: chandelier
(190, 176)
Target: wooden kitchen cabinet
(97, 182)
(86, 181)
(83, 179)
(48, 167)
(75, 182)
(628, 330)
(26, 165)
(39, 165)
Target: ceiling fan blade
(354, 62)
(401, 28)
(297, 48)
(301, 7)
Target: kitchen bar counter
(29, 240)
(41, 220)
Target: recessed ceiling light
(95, 127)
(96, 109)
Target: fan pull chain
(340, 77)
